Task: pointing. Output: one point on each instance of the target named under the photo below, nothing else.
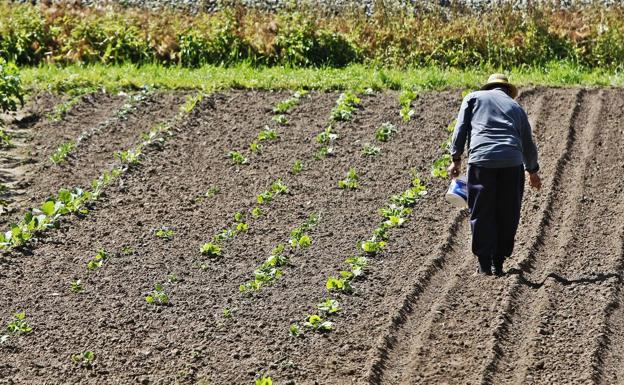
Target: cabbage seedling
(210, 249)
(350, 182)
(384, 132)
(370, 150)
(158, 296)
(280, 119)
(327, 136)
(267, 134)
(76, 286)
(405, 100)
(164, 233)
(97, 261)
(19, 325)
(372, 247)
(5, 140)
(255, 147)
(256, 212)
(346, 104)
(439, 167)
(315, 322)
(264, 381)
(339, 284)
(294, 330)
(357, 264)
(237, 157)
(330, 306)
(297, 167)
(62, 152)
(130, 157)
(84, 358)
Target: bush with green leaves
(11, 91)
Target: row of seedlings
(394, 215)
(281, 255)
(78, 200)
(66, 149)
(441, 164)
(267, 133)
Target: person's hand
(454, 169)
(535, 181)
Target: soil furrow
(512, 347)
(401, 347)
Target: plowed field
(418, 316)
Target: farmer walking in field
(497, 133)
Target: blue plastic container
(457, 194)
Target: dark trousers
(494, 198)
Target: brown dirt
(419, 317)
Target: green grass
(354, 77)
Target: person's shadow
(600, 277)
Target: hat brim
(497, 83)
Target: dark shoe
(485, 265)
(497, 266)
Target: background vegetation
(588, 37)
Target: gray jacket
(497, 129)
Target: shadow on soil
(600, 277)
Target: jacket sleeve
(462, 127)
(529, 149)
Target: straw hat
(496, 80)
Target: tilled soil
(420, 315)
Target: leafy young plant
(76, 286)
(97, 261)
(237, 158)
(316, 323)
(62, 152)
(267, 134)
(342, 284)
(256, 212)
(210, 249)
(327, 136)
(84, 358)
(372, 247)
(5, 140)
(439, 169)
(330, 306)
(351, 181)
(384, 132)
(297, 167)
(158, 296)
(264, 381)
(405, 100)
(130, 157)
(280, 119)
(357, 265)
(370, 150)
(294, 330)
(18, 325)
(164, 233)
(346, 104)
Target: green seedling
(172, 278)
(451, 127)
(278, 187)
(280, 119)
(439, 168)
(395, 210)
(339, 284)
(294, 330)
(6, 140)
(210, 249)
(372, 247)
(256, 212)
(225, 234)
(405, 100)
(346, 104)
(264, 197)
(191, 102)
(351, 181)
(127, 251)
(316, 323)
(330, 306)
(84, 358)
(237, 158)
(76, 286)
(255, 147)
(158, 296)
(323, 152)
(297, 167)
(384, 132)
(19, 325)
(358, 265)
(240, 227)
(164, 233)
(62, 152)
(227, 312)
(97, 261)
(370, 150)
(129, 157)
(264, 381)
(284, 106)
(327, 136)
(267, 134)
